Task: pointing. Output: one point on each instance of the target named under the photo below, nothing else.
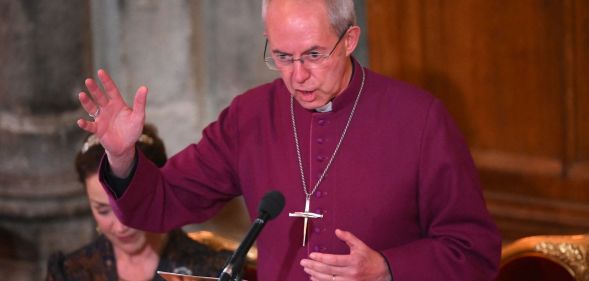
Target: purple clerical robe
(403, 181)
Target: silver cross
(306, 215)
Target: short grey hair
(342, 14)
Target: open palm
(116, 125)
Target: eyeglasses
(312, 59)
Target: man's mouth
(305, 92)
(306, 96)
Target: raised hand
(116, 125)
(362, 264)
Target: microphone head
(272, 204)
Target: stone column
(45, 55)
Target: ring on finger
(95, 114)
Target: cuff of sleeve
(116, 185)
(405, 262)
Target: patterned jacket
(96, 261)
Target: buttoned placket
(321, 147)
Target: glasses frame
(271, 63)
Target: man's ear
(351, 39)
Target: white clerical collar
(325, 108)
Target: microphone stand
(239, 271)
(232, 273)
(270, 207)
(235, 263)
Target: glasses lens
(270, 63)
(309, 62)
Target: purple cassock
(403, 181)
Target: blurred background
(512, 73)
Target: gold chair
(543, 258)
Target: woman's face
(124, 238)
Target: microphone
(271, 205)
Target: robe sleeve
(192, 186)
(459, 240)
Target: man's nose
(300, 72)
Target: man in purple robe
(379, 183)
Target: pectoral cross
(306, 215)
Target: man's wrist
(121, 166)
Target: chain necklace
(306, 214)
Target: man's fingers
(329, 259)
(97, 96)
(362, 263)
(320, 269)
(140, 99)
(111, 89)
(87, 103)
(350, 239)
(316, 274)
(139, 104)
(87, 126)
